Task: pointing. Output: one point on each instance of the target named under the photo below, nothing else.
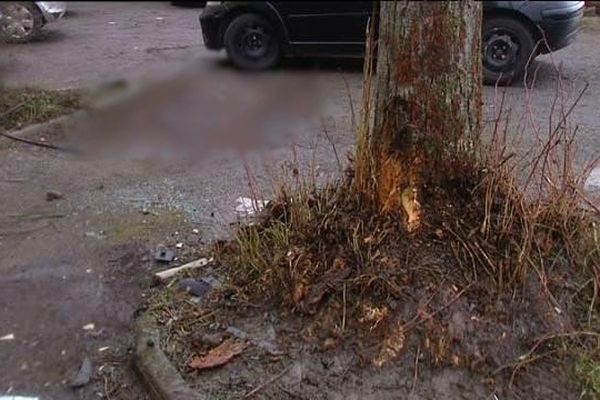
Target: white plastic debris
(195, 231)
(593, 181)
(250, 206)
(111, 22)
(10, 336)
(558, 310)
(159, 18)
(18, 398)
(179, 245)
(89, 327)
(102, 349)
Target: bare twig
(416, 372)
(267, 383)
(39, 144)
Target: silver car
(22, 21)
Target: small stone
(53, 195)
(194, 287)
(329, 343)
(95, 235)
(207, 339)
(84, 374)
(88, 327)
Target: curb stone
(159, 377)
(41, 127)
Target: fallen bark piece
(166, 274)
(219, 355)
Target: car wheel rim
(254, 42)
(16, 21)
(501, 50)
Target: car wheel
(507, 46)
(252, 43)
(20, 21)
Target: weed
(587, 369)
(35, 105)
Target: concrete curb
(159, 377)
(41, 127)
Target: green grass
(587, 369)
(30, 106)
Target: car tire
(507, 45)
(251, 42)
(27, 29)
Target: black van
(257, 34)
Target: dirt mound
(482, 288)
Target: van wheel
(507, 46)
(252, 43)
(20, 22)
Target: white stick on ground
(166, 274)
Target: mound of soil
(337, 300)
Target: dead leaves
(219, 355)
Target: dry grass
(587, 369)
(28, 105)
(517, 239)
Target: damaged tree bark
(423, 105)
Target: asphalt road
(194, 141)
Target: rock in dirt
(84, 374)
(197, 288)
(265, 345)
(219, 355)
(206, 339)
(52, 195)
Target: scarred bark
(425, 103)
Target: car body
(22, 21)
(337, 29)
(52, 10)
(189, 4)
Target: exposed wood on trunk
(424, 109)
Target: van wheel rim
(500, 50)
(254, 42)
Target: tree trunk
(423, 112)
